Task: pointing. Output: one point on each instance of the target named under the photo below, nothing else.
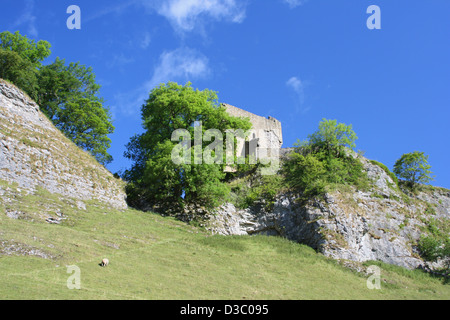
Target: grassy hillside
(152, 257)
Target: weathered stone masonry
(265, 138)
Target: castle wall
(273, 136)
(265, 139)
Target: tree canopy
(68, 95)
(28, 49)
(332, 136)
(413, 168)
(155, 176)
(19, 71)
(321, 161)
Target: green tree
(20, 59)
(321, 161)
(28, 49)
(68, 95)
(332, 137)
(154, 175)
(18, 71)
(413, 168)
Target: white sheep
(104, 262)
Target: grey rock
(13, 214)
(34, 153)
(356, 226)
(12, 247)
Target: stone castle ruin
(265, 139)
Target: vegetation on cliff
(67, 94)
(324, 160)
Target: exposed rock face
(377, 225)
(33, 152)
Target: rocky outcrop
(381, 224)
(34, 153)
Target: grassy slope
(152, 257)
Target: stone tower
(265, 139)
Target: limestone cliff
(380, 224)
(34, 153)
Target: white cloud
(298, 86)
(180, 65)
(119, 60)
(146, 40)
(294, 3)
(118, 10)
(186, 15)
(27, 18)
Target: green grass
(152, 257)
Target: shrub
(261, 188)
(433, 248)
(311, 172)
(305, 173)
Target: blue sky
(296, 60)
